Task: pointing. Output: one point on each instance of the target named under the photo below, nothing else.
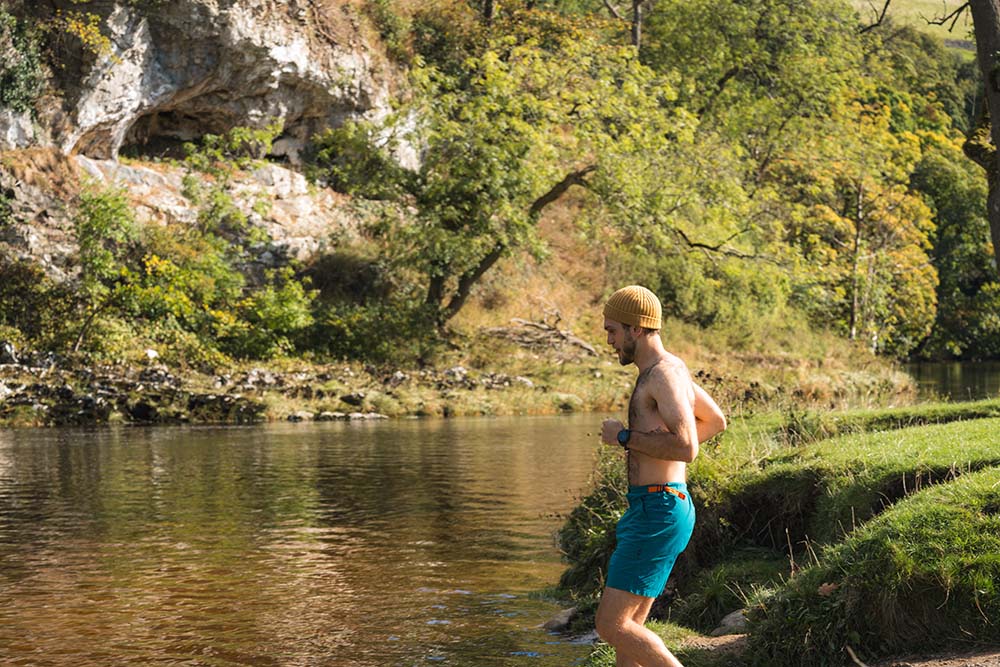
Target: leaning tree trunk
(986, 24)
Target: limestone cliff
(173, 71)
(180, 69)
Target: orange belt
(656, 488)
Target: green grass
(923, 575)
(822, 491)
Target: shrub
(356, 159)
(382, 331)
(21, 75)
(32, 303)
(270, 318)
(104, 227)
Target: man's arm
(671, 389)
(710, 420)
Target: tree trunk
(636, 22)
(489, 9)
(856, 261)
(986, 25)
(466, 282)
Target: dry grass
(45, 168)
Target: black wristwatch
(623, 436)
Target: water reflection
(958, 380)
(372, 544)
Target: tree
(863, 234)
(104, 226)
(986, 25)
(544, 108)
(985, 137)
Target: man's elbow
(690, 453)
(721, 423)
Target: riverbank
(863, 529)
(491, 377)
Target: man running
(669, 416)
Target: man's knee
(609, 626)
(608, 630)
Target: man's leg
(620, 618)
(639, 617)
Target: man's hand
(609, 431)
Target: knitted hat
(635, 306)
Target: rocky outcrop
(178, 70)
(37, 184)
(298, 219)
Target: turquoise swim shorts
(651, 534)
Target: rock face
(178, 70)
(298, 220)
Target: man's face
(620, 337)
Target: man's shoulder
(671, 368)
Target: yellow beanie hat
(635, 306)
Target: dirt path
(989, 658)
(982, 658)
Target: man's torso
(644, 416)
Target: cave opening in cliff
(162, 134)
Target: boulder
(560, 621)
(734, 623)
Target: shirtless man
(669, 416)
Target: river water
(957, 380)
(353, 545)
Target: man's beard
(627, 355)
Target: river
(352, 545)
(957, 380)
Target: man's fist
(609, 431)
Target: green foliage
(270, 318)
(380, 332)
(353, 159)
(33, 304)
(392, 26)
(6, 212)
(22, 77)
(446, 33)
(967, 325)
(220, 154)
(104, 227)
(920, 576)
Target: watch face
(623, 436)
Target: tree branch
(614, 10)
(954, 16)
(719, 86)
(878, 21)
(469, 279)
(714, 248)
(559, 189)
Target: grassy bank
(776, 508)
